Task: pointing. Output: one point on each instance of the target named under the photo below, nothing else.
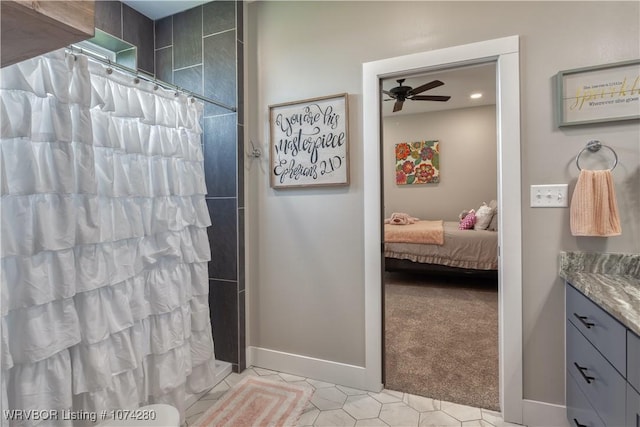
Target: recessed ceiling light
(475, 95)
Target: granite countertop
(610, 280)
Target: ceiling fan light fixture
(402, 93)
(476, 95)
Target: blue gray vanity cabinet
(633, 354)
(602, 366)
(579, 410)
(633, 407)
(633, 376)
(601, 329)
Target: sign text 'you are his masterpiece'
(309, 144)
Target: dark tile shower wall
(201, 50)
(128, 24)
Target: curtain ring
(594, 146)
(136, 80)
(109, 70)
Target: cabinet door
(633, 359)
(603, 386)
(633, 407)
(580, 413)
(599, 327)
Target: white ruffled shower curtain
(104, 249)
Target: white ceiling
(156, 9)
(459, 83)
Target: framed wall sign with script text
(309, 142)
(603, 93)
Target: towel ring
(595, 146)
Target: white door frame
(505, 52)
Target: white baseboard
(541, 414)
(310, 367)
(535, 414)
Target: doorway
(505, 52)
(440, 300)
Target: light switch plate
(550, 196)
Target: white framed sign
(309, 142)
(598, 94)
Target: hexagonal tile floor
(335, 405)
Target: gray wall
(306, 246)
(201, 50)
(468, 162)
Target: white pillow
(483, 217)
(493, 225)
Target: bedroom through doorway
(440, 282)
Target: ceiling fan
(402, 93)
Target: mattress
(471, 249)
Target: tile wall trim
(218, 33)
(187, 67)
(223, 280)
(223, 114)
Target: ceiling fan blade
(430, 98)
(386, 92)
(397, 106)
(426, 86)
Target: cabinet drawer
(633, 407)
(604, 387)
(633, 359)
(579, 410)
(602, 330)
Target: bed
(439, 246)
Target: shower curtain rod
(147, 77)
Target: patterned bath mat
(256, 401)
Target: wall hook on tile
(256, 152)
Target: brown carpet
(442, 338)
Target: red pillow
(468, 221)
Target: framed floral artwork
(418, 162)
